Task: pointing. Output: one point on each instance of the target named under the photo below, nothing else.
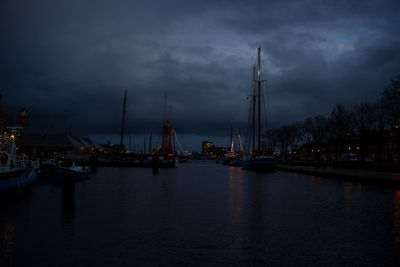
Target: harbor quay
(391, 178)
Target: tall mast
(166, 145)
(253, 126)
(123, 124)
(259, 102)
(165, 107)
(144, 144)
(150, 137)
(231, 134)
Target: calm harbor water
(202, 213)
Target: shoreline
(392, 178)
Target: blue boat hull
(60, 173)
(17, 185)
(263, 164)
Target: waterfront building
(210, 151)
(206, 147)
(62, 145)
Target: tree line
(364, 127)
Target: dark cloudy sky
(71, 60)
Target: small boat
(233, 158)
(17, 173)
(169, 162)
(75, 172)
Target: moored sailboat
(256, 159)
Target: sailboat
(256, 160)
(232, 157)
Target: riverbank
(358, 175)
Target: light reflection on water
(235, 195)
(206, 214)
(7, 243)
(396, 215)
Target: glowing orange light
(12, 136)
(358, 148)
(349, 147)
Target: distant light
(312, 150)
(12, 136)
(358, 148)
(349, 147)
(397, 126)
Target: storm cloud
(71, 60)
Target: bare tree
(366, 124)
(271, 140)
(391, 107)
(340, 127)
(295, 135)
(391, 102)
(283, 140)
(315, 129)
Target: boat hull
(263, 164)
(19, 184)
(61, 173)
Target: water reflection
(7, 244)
(352, 205)
(67, 197)
(348, 197)
(396, 215)
(68, 205)
(197, 216)
(235, 204)
(166, 189)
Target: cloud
(68, 60)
